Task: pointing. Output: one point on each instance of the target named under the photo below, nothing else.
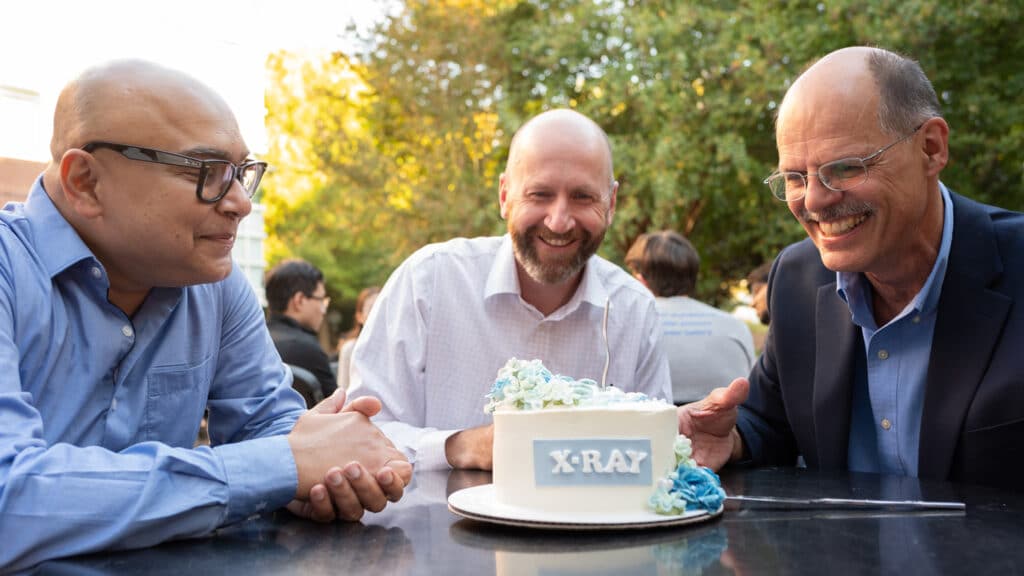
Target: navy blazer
(972, 426)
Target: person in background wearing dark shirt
(298, 302)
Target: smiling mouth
(842, 225)
(220, 238)
(558, 242)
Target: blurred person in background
(757, 284)
(298, 301)
(705, 346)
(364, 304)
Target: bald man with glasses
(898, 325)
(123, 318)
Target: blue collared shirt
(99, 412)
(888, 397)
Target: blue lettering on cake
(592, 462)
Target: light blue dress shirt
(99, 412)
(889, 387)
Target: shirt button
(113, 404)
(916, 320)
(127, 331)
(886, 424)
(96, 273)
(883, 354)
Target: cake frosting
(568, 446)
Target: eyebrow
(211, 152)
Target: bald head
(120, 100)
(877, 85)
(566, 126)
(142, 216)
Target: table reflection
(672, 550)
(420, 536)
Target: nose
(818, 195)
(236, 202)
(559, 217)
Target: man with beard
(897, 326)
(453, 313)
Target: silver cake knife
(846, 503)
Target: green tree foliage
(686, 90)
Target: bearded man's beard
(554, 270)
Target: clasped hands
(345, 464)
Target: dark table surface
(420, 536)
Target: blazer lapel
(967, 328)
(833, 377)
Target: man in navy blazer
(897, 336)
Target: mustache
(844, 210)
(544, 232)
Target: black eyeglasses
(324, 300)
(215, 176)
(838, 175)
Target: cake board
(480, 503)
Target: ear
(503, 194)
(294, 303)
(936, 145)
(79, 179)
(640, 277)
(612, 201)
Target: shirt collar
(289, 321)
(504, 279)
(855, 290)
(58, 244)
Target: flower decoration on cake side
(528, 385)
(689, 487)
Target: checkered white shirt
(451, 315)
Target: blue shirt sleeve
(64, 490)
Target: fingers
(736, 393)
(332, 404)
(403, 469)
(390, 483)
(344, 498)
(354, 490)
(299, 508)
(347, 493)
(721, 399)
(368, 492)
(366, 405)
(320, 507)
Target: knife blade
(846, 503)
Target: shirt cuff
(261, 475)
(430, 454)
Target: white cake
(569, 447)
(583, 460)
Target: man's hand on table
(471, 448)
(710, 424)
(345, 464)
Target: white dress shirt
(451, 315)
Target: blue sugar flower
(699, 486)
